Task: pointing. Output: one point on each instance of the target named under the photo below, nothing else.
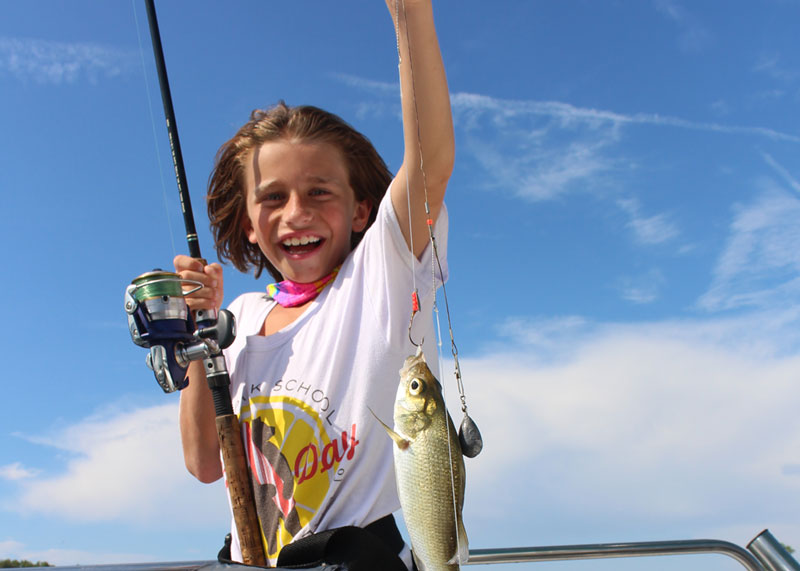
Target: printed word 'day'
(310, 459)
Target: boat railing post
(771, 553)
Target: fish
(429, 469)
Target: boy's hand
(391, 3)
(398, 5)
(211, 295)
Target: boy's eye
(272, 197)
(319, 191)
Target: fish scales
(424, 462)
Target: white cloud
(12, 549)
(682, 426)
(16, 471)
(567, 114)
(771, 65)
(544, 149)
(670, 425)
(642, 288)
(557, 169)
(793, 183)
(693, 37)
(760, 264)
(50, 62)
(474, 112)
(648, 229)
(544, 337)
(364, 84)
(537, 150)
(721, 107)
(570, 115)
(546, 172)
(124, 466)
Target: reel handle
(223, 330)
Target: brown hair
(369, 175)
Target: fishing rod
(159, 319)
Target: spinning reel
(159, 319)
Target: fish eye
(416, 386)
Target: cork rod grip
(240, 489)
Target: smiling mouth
(301, 245)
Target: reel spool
(159, 319)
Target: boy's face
(301, 210)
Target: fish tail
(461, 556)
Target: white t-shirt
(319, 458)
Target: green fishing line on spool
(157, 284)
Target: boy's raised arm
(427, 119)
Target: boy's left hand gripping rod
(159, 319)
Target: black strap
(350, 548)
(376, 546)
(386, 529)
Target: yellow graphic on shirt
(294, 463)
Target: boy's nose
(296, 211)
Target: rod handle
(241, 492)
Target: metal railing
(614, 550)
(764, 553)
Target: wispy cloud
(51, 62)
(642, 288)
(647, 230)
(787, 177)
(367, 84)
(760, 264)
(17, 471)
(694, 37)
(542, 171)
(721, 107)
(772, 66)
(570, 115)
(465, 105)
(542, 150)
(544, 336)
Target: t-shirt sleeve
(392, 273)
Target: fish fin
(462, 554)
(402, 443)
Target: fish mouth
(299, 245)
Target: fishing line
(413, 261)
(435, 261)
(155, 134)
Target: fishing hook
(414, 311)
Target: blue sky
(624, 254)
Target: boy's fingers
(183, 263)
(193, 270)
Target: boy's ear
(361, 215)
(248, 229)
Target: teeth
(302, 241)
